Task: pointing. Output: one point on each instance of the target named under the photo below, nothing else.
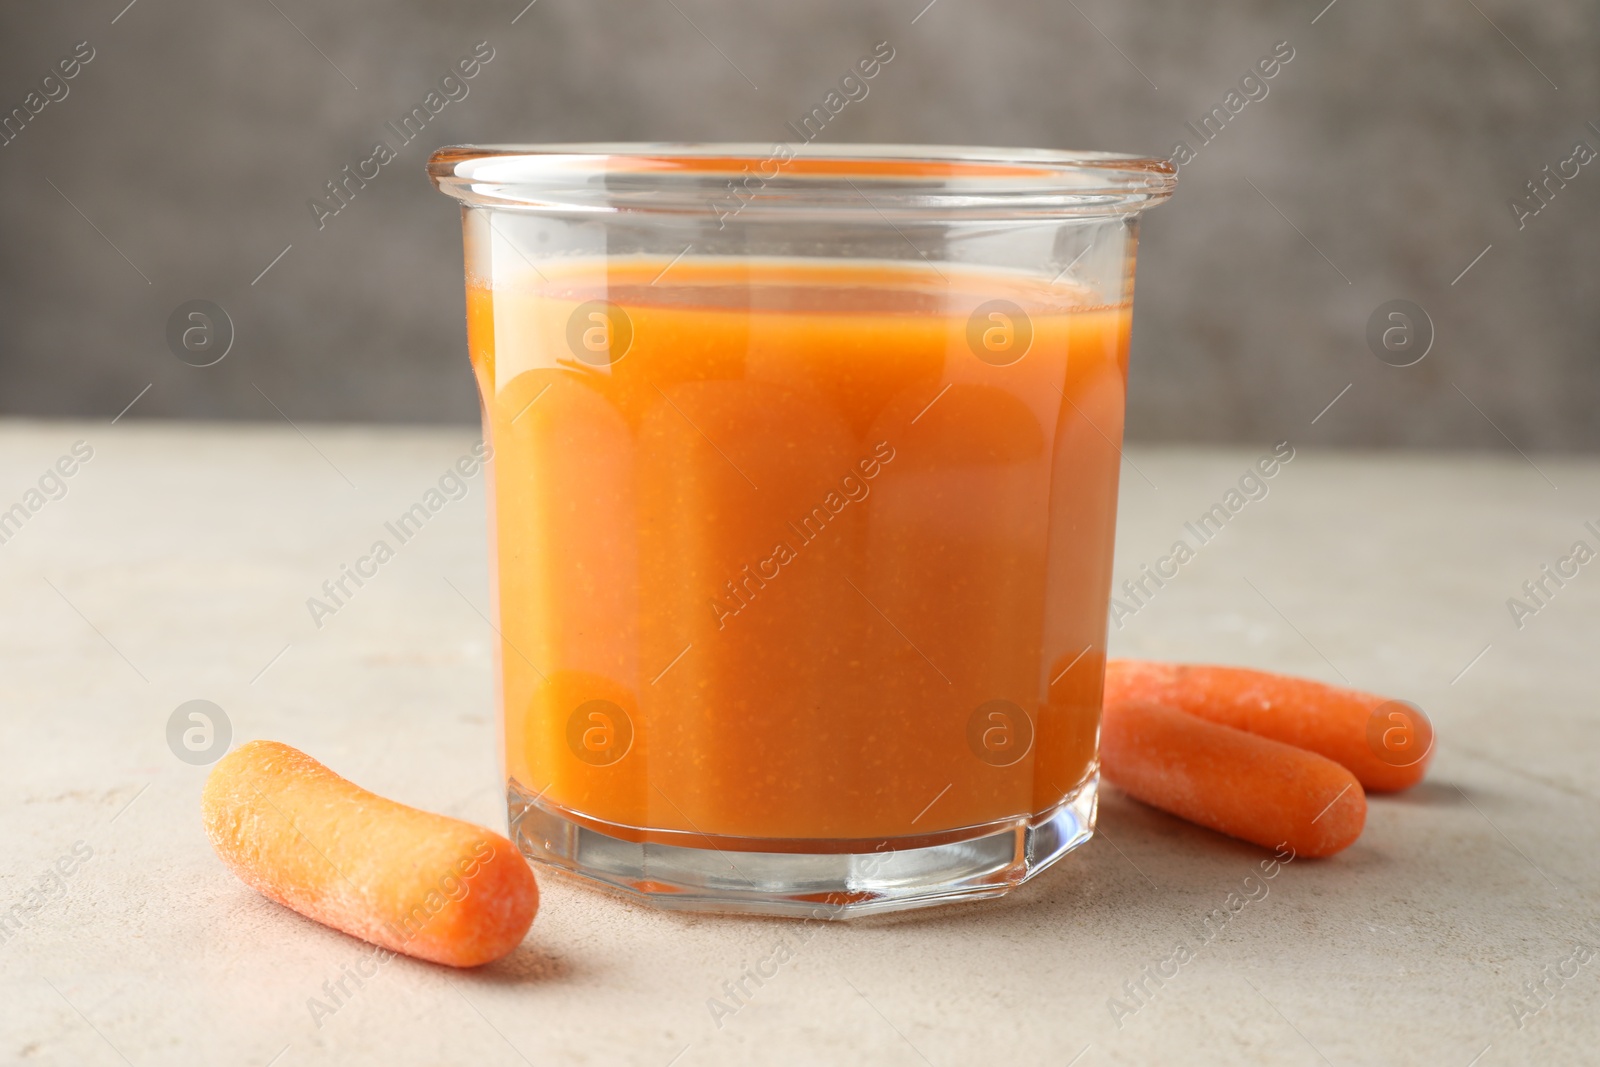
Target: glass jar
(803, 492)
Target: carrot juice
(798, 554)
(801, 508)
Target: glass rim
(756, 181)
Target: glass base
(793, 879)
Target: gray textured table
(177, 564)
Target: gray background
(1392, 141)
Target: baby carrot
(1242, 785)
(429, 886)
(1384, 743)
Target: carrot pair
(1263, 757)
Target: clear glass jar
(803, 491)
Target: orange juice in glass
(803, 493)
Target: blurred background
(177, 163)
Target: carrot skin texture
(1236, 783)
(410, 881)
(1329, 720)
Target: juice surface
(795, 550)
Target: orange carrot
(1385, 743)
(429, 886)
(1242, 785)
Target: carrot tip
(1399, 733)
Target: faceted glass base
(794, 878)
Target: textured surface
(177, 567)
(1392, 142)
